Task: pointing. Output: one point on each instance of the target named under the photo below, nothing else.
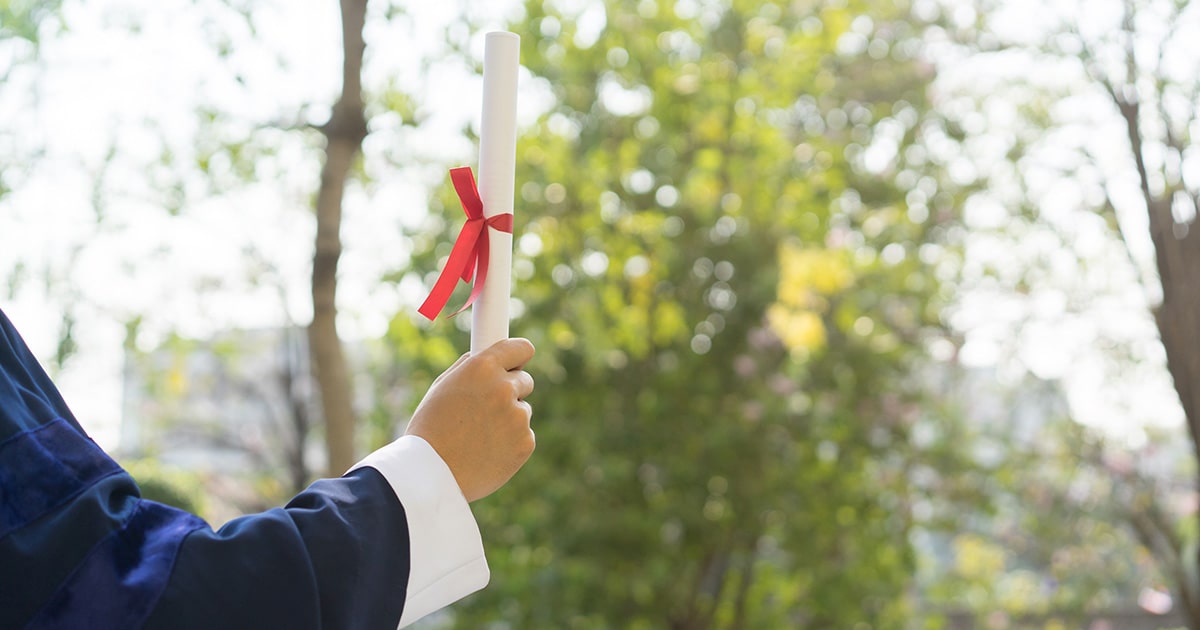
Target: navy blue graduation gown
(79, 548)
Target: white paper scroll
(497, 172)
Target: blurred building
(242, 402)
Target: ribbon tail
(461, 259)
(471, 254)
(482, 257)
(468, 270)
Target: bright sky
(128, 75)
(1084, 319)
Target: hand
(476, 418)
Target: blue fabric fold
(45, 468)
(79, 548)
(120, 581)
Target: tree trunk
(344, 134)
(1177, 257)
(1177, 250)
(1178, 320)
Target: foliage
(1094, 153)
(26, 19)
(169, 486)
(1053, 548)
(704, 181)
(23, 25)
(738, 234)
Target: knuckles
(517, 388)
(527, 445)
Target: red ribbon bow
(470, 252)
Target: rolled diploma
(497, 171)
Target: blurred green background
(849, 314)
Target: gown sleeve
(387, 543)
(381, 547)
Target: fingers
(512, 354)
(522, 383)
(530, 445)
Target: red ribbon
(470, 252)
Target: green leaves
(697, 465)
(24, 19)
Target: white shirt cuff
(445, 549)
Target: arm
(78, 547)
(388, 543)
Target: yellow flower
(799, 330)
(807, 273)
(806, 277)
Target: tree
(214, 156)
(1158, 106)
(729, 224)
(1117, 121)
(344, 135)
(23, 26)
